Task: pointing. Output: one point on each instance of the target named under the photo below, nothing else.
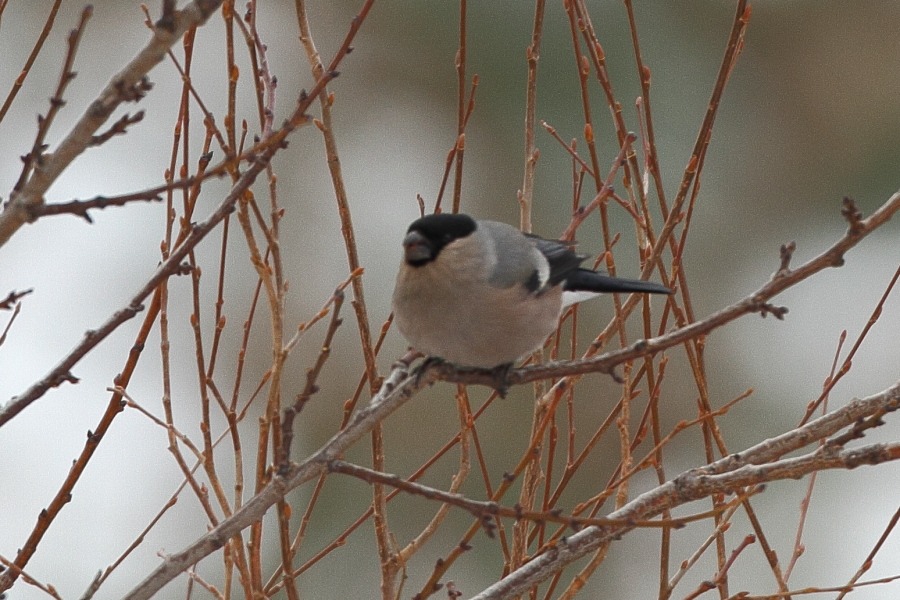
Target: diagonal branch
(724, 476)
(757, 302)
(128, 85)
(172, 265)
(396, 391)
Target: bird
(479, 293)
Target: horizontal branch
(486, 511)
(80, 208)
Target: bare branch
(120, 127)
(56, 102)
(312, 375)
(80, 208)
(486, 511)
(170, 267)
(724, 476)
(398, 388)
(128, 85)
(20, 80)
(12, 299)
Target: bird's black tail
(585, 280)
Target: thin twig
(7, 565)
(460, 106)
(532, 56)
(80, 208)
(848, 361)
(26, 69)
(12, 299)
(312, 375)
(721, 576)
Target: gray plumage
(483, 294)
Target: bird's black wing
(563, 262)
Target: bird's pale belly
(480, 336)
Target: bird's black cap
(426, 237)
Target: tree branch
(172, 265)
(128, 85)
(396, 391)
(748, 468)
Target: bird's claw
(500, 373)
(429, 361)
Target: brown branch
(843, 590)
(47, 589)
(460, 105)
(12, 299)
(173, 264)
(869, 559)
(466, 431)
(26, 69)
(569, 148)
(56, 102)
(486, 511)
(80, 208)
(532, 56)
(396, 391)
(62, 372)
(168, 268)
(9, 323)
(848, 360)
(728, 474)
(120, 127)
(312, 375)
(732, 473)
(723, 525)
(721, 576)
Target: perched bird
(484, 294)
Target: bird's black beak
(417, 250)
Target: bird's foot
(500, 373)
(428, 362)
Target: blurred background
(810, 115)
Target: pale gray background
(810, 115)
